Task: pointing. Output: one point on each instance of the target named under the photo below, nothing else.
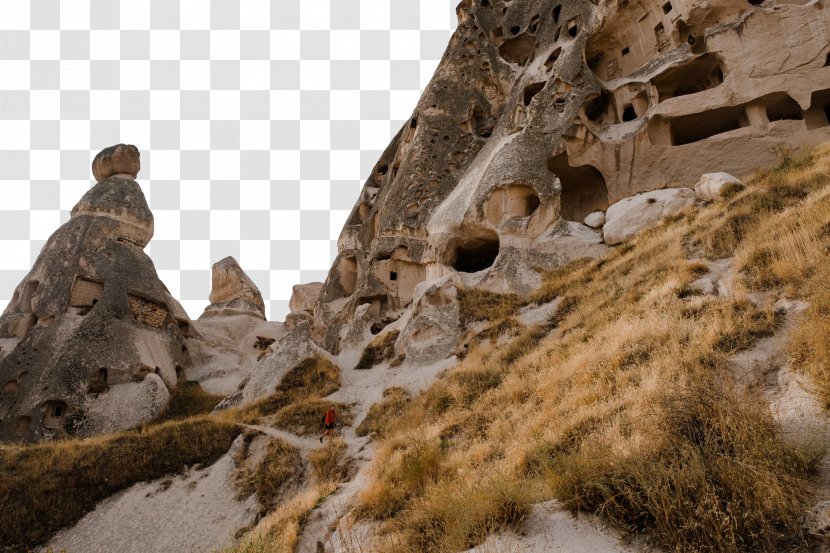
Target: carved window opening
(662, 38)
(532, 90)
(393, 275)
(819, 113)
(552, 58)
(54, 413)
(628, 113)
(667, 7)
(573, 27)
(557, 12)
(698, 126)
(782, 107)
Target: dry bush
(281, 465)
(384, 413)
(479, 305)
(304, 417)
(627, 408)
(711, 475)
(35, 480)
(311, 376)
(188, 399)
(380, 349)
(330, 463)
(810, 346)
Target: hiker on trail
(328, 422)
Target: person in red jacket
(328, 422)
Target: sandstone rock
(233, 292)
(711, 185)
(304, 296)
(595, 219)
(90, 310)
(516, 132)
(629, 216)
(121, 159)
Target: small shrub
(477, 305)
(311, 376)
(381, 349)
(281, 464)
(384, 413)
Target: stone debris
(630, 216)
(711, 185)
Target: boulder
(711, 185)
(595, 219)
(304, 296)
(233, 292)
(631, 215)
(121, 159)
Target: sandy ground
(549, 529)
(194, 512)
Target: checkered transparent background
(257, 122)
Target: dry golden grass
(282, 464)
(188, 399)
(384, 413)
(48, 486)
(625, 403)
(481, 305)
(304, 417)
(330, 462)
(380, 349)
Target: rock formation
(96, 340)
(542, 115)
(233, 292)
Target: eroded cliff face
(543, 112)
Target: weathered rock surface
(304, 296)
(595, 219)
(711, 185)
(233, 292)
(97, 338)
(121, 159)
(632, 215)
(542, 114)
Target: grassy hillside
(626, 403)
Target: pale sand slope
(549, 529)
(194, 512)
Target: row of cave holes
(519, 49)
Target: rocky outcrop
(95, 337)
(233, 292)
(632, 215)
(712, 185)
(119, 160)
(304, 297)
(543, 114)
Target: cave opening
(628, 113)
(700, 126)
(782, 107)
(532, 90)
(518, 50)
(476, 253)
(583, 188)
(697, 75)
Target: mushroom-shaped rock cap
(232, 291)
(120, 159)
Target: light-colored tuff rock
(630, 216)
(304, 297)
(543, 113)
(595, 219)
(121, 159)
(233, 292)
(711, 185)
(90, 324)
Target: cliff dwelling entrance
(85, 292)
(99, 381)
(475, 253)
(781, 107)
(695, 127)
(54, 414)
(694, 76)
(819, 113)
(583, 189)
(515, 200)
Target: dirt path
(303, 444)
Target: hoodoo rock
(90, 311)
(233, 292)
